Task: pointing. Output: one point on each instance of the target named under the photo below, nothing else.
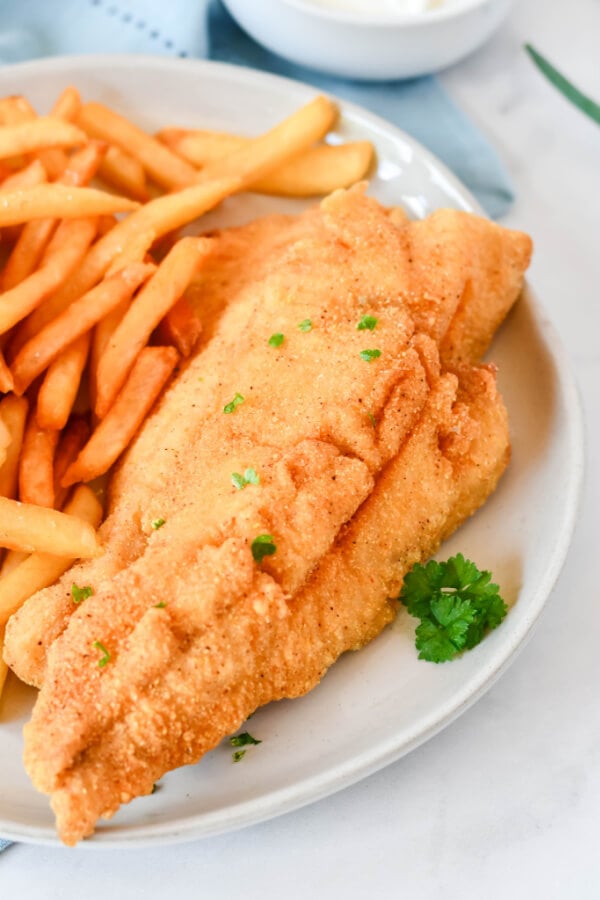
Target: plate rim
(354, 769)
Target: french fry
(83, 164)
(12, 559)
(284, 142)
(36, 465)
(79, 169)
(3, 666)
(134, 251)
(150, 372)
(59, 388)
(155, 218)
(77, 319)
(153, 302)
(37, 529)
(43, 568)
(105, 224)
(181, 327)
(6, 380)
(219, 181)
(163, 166)
(13, 412)
(53, 159)
(45, 131)
(318, 170)
(15, 109)
(5, 439)
(59, 201)
(66, 249)
(71, 442)
(67, 105)
(125, 173)
(29, 176)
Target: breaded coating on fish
(367, 450)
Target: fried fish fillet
(365, 464)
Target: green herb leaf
(238, 481)
(566, 87)
(367, 323)
(160, 605)
(262, 546)
(243, 739)
(250, 476)
(231, 407)
(369, 355)
(276, 340)
(158, 523)
(80, 593)
(457, 604)
(372, 420)
(239, 754)
(97, 645)
(305, 325)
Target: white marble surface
(506, 801)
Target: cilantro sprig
(456, 603)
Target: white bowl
(369, 46)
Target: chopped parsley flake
(305, 325)
(160, 605)
(367, 323)
(239, 482)
(239, 754)
(276, 340)
(158, 523)
(97, 645)
(243, 739)
(262, 546)
(369, 355)
(80, 593)
(456, 603)
(373, 420)
(231, 407)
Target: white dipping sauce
(391, 7)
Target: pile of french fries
(93, 313)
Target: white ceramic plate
(378, 704)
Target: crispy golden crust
(350, 506)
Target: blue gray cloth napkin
(203, 28)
